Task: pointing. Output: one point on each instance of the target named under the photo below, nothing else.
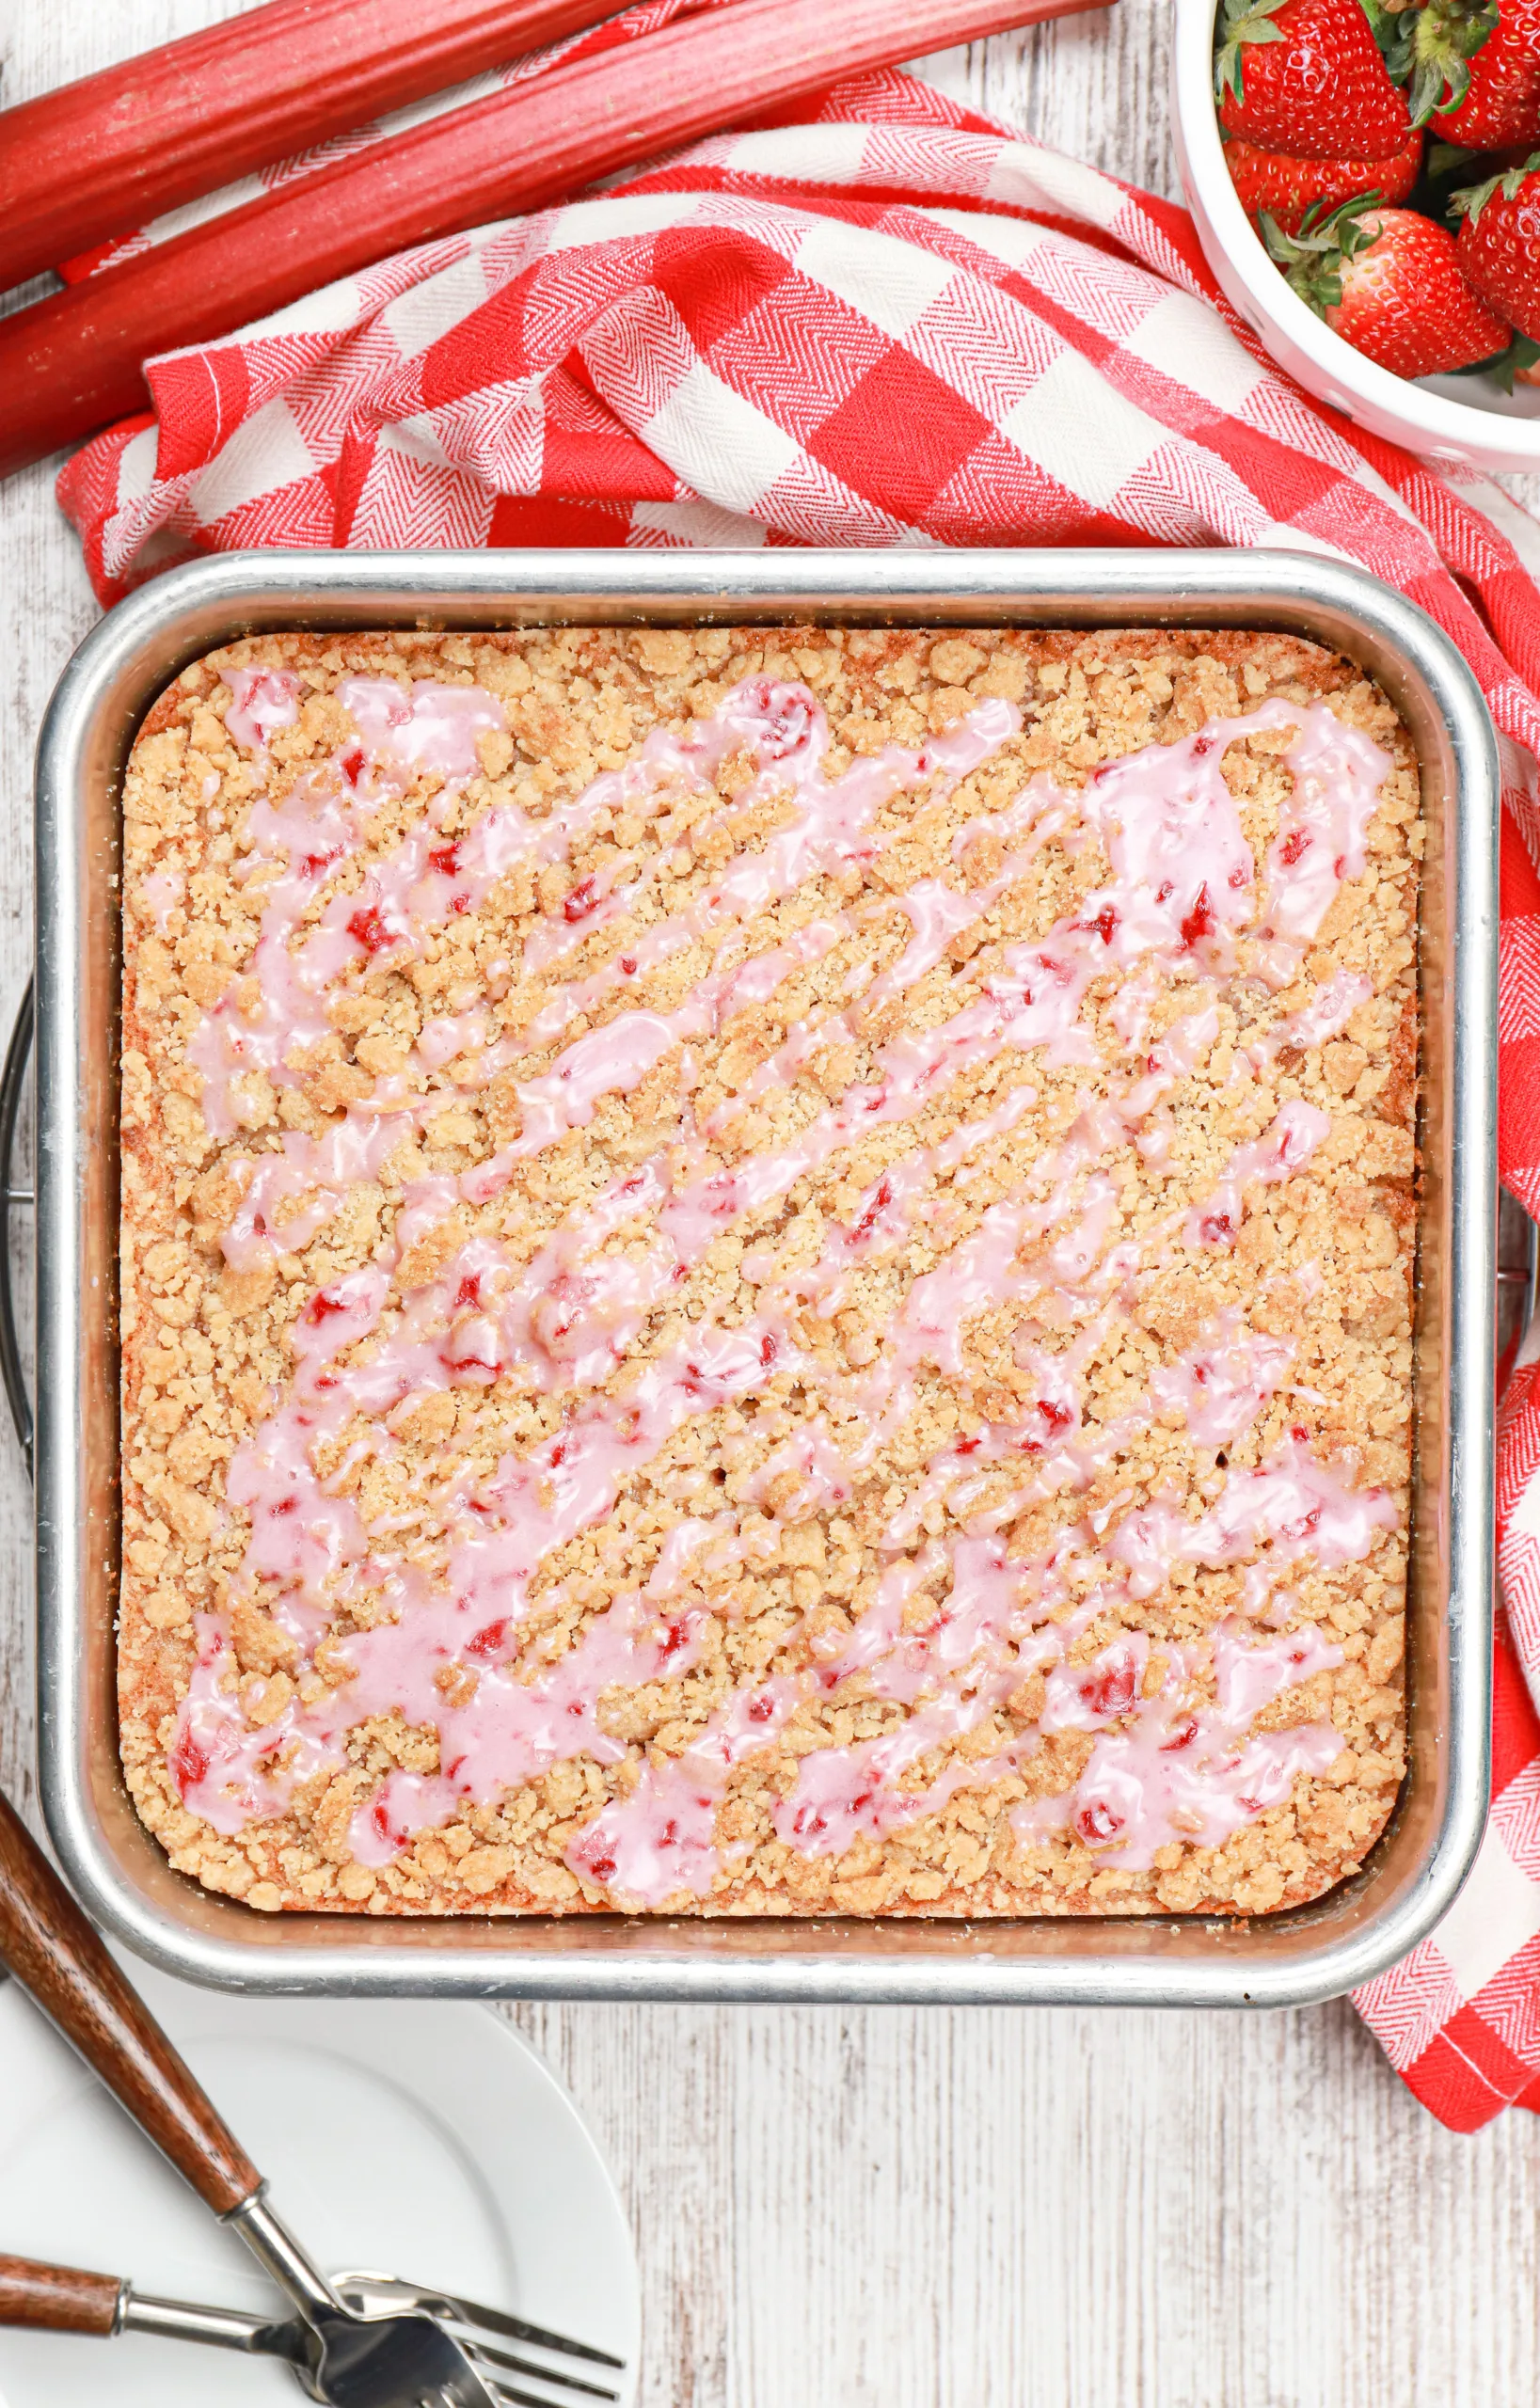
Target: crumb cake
(768, 1272)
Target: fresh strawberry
(1429, 48)
(1388, 281)
(1501, 103)
(1500, 242)
(1307, 77)
(1287, 189)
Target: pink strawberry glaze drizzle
(263, 701)
(413, 889)
(1220, 1386)
(661, 1839)
(1174, 1770)
(1182, 892)
(313, 832)
(1183, 878)
(1324, 828)
(987, 1269)
(499, 1534)
(1325, 1015)
(1280, 1153)
(1295, 1506)
(998, 1622)
(1216, 1390)
(1182, 885)
(163, 890)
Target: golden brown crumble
(1323, 1259)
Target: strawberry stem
(1312, 260)
(1444, 38)
(1473, 200)
(1242, 22)
(1504, 365)
(1392, 30)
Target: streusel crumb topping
(767, 1271)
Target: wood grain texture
(921, 2209)
(58, 2299)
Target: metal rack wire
(13, 1081)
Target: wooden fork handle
(59, 2299)
(56, 1956)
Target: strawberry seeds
(1360, 135)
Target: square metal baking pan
(1311, 1953)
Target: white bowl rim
(1460, 430)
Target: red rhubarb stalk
(104, 156)
(73, 362)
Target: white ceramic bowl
(1446, 418)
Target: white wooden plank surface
(900, 2208)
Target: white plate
(419, 2138)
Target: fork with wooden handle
(380, 2344)
(66, 2299)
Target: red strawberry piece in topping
(1110, 1691)
(367, 930)
(1500, 242)
(488, 1641)
(189, 1763)
(1288, 188)
(1390, 282)
(786, 714)
(1182, 1737)
(1200, 922)
(1307, 77)
(873, 1212)
(1500, 106)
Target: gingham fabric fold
(890, 323)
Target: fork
(387, 2345)
(67, 2299)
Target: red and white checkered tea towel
(890, 323)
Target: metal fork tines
(480, 2331)
(62, 2298)
(401, 2350)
